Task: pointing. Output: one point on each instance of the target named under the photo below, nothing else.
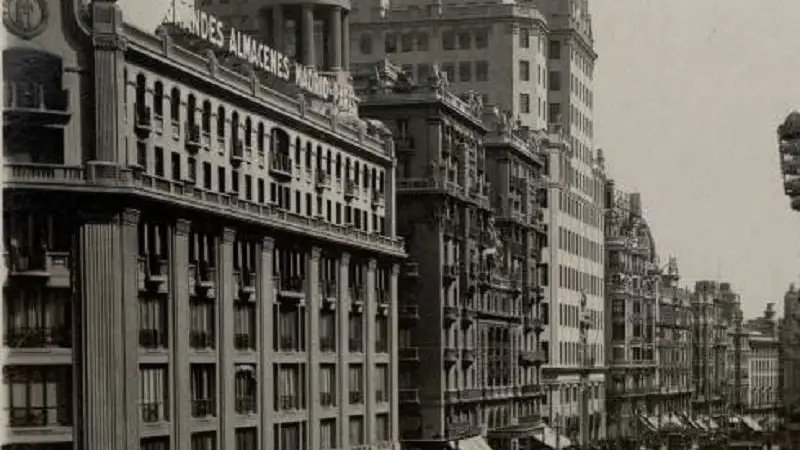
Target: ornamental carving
(25, 18)
(438, 80)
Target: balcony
(50, 267)
(202, 408)
(290, 288)
(531, 389)
(246, 283)
(471, 395)
(244, 341)
(409, 354)
(408, 313)
(143, 121)
(201, 340)
(356, 345)
(192, 138)
(449, 273)
(356, 397)
(327, 344)
(409, 395)
(327, 399)
(280, 166)
(38, 337)
(467, 356)
(350, 190)
(450, 314)
(202, 279)
(245, 405)
(237, 152)
(357, 297)
(323, 180)
(39, 417)
(289, 402)
(34, 104)
(531, 359)
(378, 199)
(153, 274)
(153, 339)
(450, 355)
(468, 317)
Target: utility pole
(585, 324)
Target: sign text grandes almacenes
(263, 57)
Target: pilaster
(394, 362)
(315, 408)
(342, 375)
(179, 339)
(227, 372)
(109, 44)
(108, 347)
(370, 312)
(266, 299)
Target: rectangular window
(382, 428)
(481, 38)
(382, 383)
(554, 79)
(356, 378)
(327, 434)
(524, 37)
(289, 436)
(465, 71)
(450, 70)
(203, 386)
(524, 70)
(554, 112)
(244, 325)
(327, 385)
(356, 430)
(221, 179)
(422, 42)
(391, 43)
(248, 187)
(448, 40)
(235, 181)
(175, 165)
(38, 396)
(289, 387)
(356, 330)
(423, 72)
(207, 175)
(159, 161)
(246, 439)
(482, 71)
(202, 323)
(381, 334)
(245, 389)
(407, 43)
(554, 50)
(206, 440)
(464, 40)
(524, 103)
(153, 393)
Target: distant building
(764, 395)
(709, 354)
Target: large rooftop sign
(267, 59)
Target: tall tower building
(535, 61)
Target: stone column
(394, 361)
(308, 55)
(109, 377)
(346, 40)
(370, 312)
(313, 305)
(109, 63)
(335, 38)
(278, 29)
(343, 375)
(179, 344)
(266, 320)
(227, 291)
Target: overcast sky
(688, 95)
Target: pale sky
(688, 94)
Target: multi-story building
(710, 344)
(536, 61)
(195, 259)
(789, 363)
(764, 374)
(633, 286)
(470, 295)
(737, 367)
(674, 340)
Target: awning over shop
(549, 437)
(751, 423)
(473, 443)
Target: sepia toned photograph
(400, 225)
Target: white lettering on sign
(267, 59)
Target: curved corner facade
(195, 258)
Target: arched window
(141, 88)
(235, 126)
(261, 137)
(338, 165)
(175, 105)
(248, 132)
(328, 161)
(206, 119)
(221, 122)
(158, 99)
(191, 106)
(279, 141)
